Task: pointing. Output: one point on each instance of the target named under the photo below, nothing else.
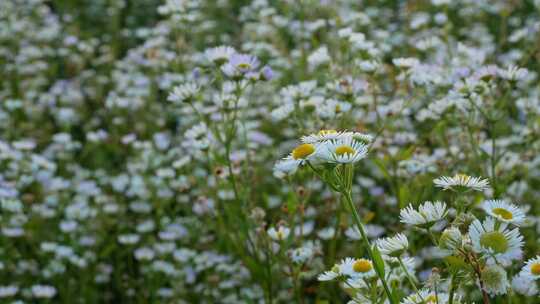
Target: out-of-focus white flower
(524, 285)
(531, 270)
(278, 234)
(43, 291)
(184, 93)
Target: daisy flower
(357, 268)
(184, 93)
(524, 285)
(451, 239)
(504, 212)
(427, 214)
(531, 270)
(219, 55)
(495, 280)
(330, 274)
(278, 234)
(343, 151)
(324, 135)
(239, 65)
(296, 158)
(393, 246)
(496, 240)
(461, 182)
(362, 137)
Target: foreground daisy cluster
(310, 151)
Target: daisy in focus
(343, 151)
(461, 183)
(299, 156)
(496, 240)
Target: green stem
(349, 201)
(409, 277)
(452, 289)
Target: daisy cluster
(310, 151)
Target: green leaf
(378, 260)
(291, 203)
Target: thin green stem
(409, 277)
(356, 216)
(452, 289)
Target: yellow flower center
(244, 66)
(326, 132)
(535, 269)
(344, 150)
(431, 299)
(494, 240)
(362, 265)
(505, 214)
(463, 177)
(303, 151)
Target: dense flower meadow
(296, 151)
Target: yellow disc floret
(303, 151)
(431, 299)
(362, 265)
(505, 214)
(495, 241)
(535, 269)
(341, 150)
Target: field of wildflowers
(295, 151)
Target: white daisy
(451, 239)
(461, 182)
(495, 280)
(220, 54)
(184, 93)
(427, 214)
(357, 268)
(531, 270)
(296, 158)
(393, 246)
(324, 135)
(278, 234)
(362, 137)
(495, 240)
(330, 274)
(524, 285)
(343, 151)
(503, 211)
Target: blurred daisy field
(262, 151)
